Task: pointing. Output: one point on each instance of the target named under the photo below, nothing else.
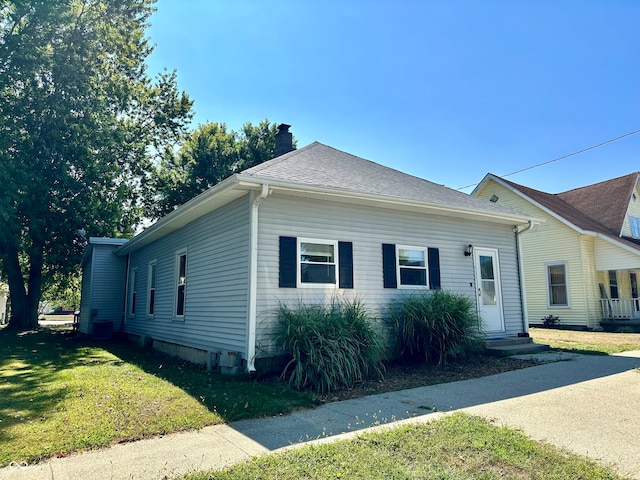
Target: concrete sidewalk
(587, 404)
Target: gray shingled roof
(322, 166)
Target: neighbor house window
(181, 282)
(134, 291)
(317, 260)
(613, 284)
(412, 266)
(152, 288)
(634, 222)
(558, 286)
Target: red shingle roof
(600, 207)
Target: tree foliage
(209, 155)
(80, 121)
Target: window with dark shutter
(434, 268)
(345, 264)
(389, 279)
(288, 262)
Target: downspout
(253, 279)
(523, 294)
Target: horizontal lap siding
(217, 247)
(105, 288)
(368, 228)
(550, 242)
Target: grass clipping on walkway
(455, 447)
(59, 395)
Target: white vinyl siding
(104, 277)
(215, 316)
(368, 228)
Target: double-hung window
(318, 261)
(151, 306)
(613, 284)
(558, 285)
(181, 283)
(634, 223)
(412, 266)
(134, 291)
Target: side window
(151, 307)
(317, 260)
(181, 283)
(613, 284)
(557, 284)
(410, 267)
(134, 291)
(310, 262)
(634, 223)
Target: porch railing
(620, 308)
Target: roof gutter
(350, 194)
(253, 278)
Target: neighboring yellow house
(583, 262)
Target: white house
(310, 224)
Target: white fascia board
(386, 200)
(184, 214)
(635, 186)
(612, 240)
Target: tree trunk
(24, 307)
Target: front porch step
(505, 347)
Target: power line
(563, 157)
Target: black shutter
(288, 262)
(434, 268)
(389, 265)
(345, 259)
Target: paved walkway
(587, 404)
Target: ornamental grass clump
(332, 346)
(436, 325)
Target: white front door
(488, 290)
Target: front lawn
(455, 447)
(59, 394)
(602, 343)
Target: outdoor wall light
(468, 251)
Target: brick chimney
(284, 140)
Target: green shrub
(436, 325)
(332, 346)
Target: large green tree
(80, 122)
(209, 155)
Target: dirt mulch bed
(405, 376)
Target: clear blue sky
(447, 90)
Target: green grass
(590, 343)
(59, 395)
(455, 447)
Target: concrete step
(505, 347)
(505, 341)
